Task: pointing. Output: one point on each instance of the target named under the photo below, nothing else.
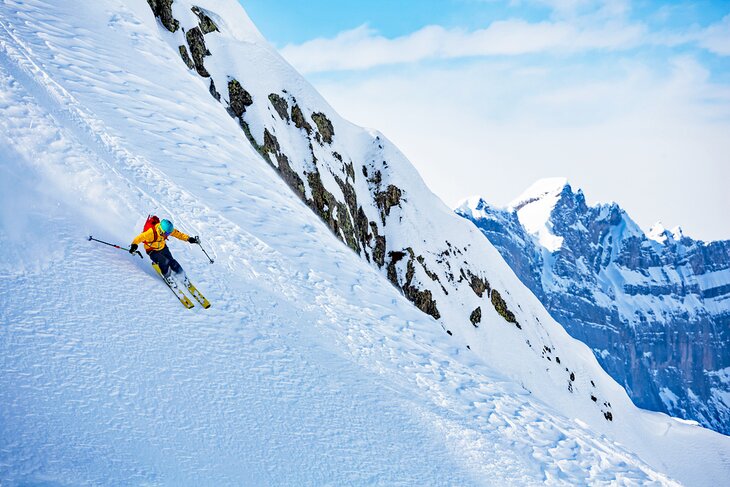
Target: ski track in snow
(288, 379)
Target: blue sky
(630, 100)
(291, 21)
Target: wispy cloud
(716, 38)
(575, 26)
(492, 127)
(364, 48)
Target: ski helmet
(167, 227)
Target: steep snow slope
(309, 368)
(655, 308)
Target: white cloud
(716, 38)
(364, 48)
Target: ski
(198, 295)
(175, 290)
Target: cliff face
(655, 308)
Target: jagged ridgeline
(654, 307)
(357, 186)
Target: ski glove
(133, 248)
(194, 240)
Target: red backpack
(152, 221)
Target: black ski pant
(166, 261)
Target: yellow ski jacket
(151, 244)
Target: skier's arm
(179, 235)
(148, 236)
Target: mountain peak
(659, 233)
(535, 206)
(546, 188)
(472, 204)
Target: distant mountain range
(654, 307)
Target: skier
(154, 239)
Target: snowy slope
(654, 308)
(310, 368)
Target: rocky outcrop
(300, 122)
(476, 316)
(324, 126)
(163, 11)
(206, 24)
(501, 307)
(280, 105)
(238, 99)
(196, 43)
(186, 57)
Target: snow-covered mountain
(361, 333)
(655, 307)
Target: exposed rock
(324, 126)
(185, 57)
(395, 257)
(423, 299)
(298, 118)
(271, 146)
(238, 98)
(163, 11)
(432, 275)
(476, 316)
(347, 228)
(349, 169)
(360, 229)
(270, 143)
(206, 24)
(478, 285)
(379, 249)
(213, 92)
(501, 307)
(196, 43)
(387, 199)
(280, 105)
(323, 202)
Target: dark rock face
(238, 98)
(388, 199)
(476, 316)
(324, 126)
(479, 285)
(196, 43)
(163, 11)
(299, 121)
(654, 312)
(213, 91)
(206, 24)
(280, 105)
(501, 307)
(186, 58)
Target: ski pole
(201, 248)
(115, 246)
